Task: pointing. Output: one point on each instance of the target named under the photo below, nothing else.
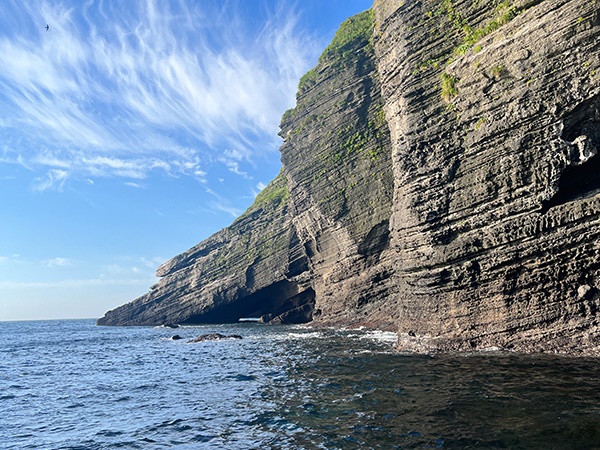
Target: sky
(132, 130)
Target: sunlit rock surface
(440, 178)
(495, 222)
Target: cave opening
(280, 301)
(581, 178)
(576, 182)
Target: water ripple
(71, 385)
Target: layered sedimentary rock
(494, 110)
(336, 156)
(440, 177)
(315, 230)
(254, 268)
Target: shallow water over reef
(72, 385)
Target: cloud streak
(76, 284)
(123, 89)
(58, 262)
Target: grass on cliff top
(274, 195)
(356, 29)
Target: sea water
(73, 385)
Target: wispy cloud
(259, 187)
(58, 262)
(220, 204)
(124, 89)
(75, 284)
(134, 185)
(122, 271)
(131, 265)
(55, 179)
(232, 211)
(13, 259)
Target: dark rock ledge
(214, 337)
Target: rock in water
(438, 179)
(214, 337)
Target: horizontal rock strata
(314, 235)
(440, 178)
(495, 121)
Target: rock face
(313, 237)
(440, 177)
(256, 267)
(496, 209)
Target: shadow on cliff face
(277, 303)
(376, 241)
(581, 178)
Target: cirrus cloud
(115, 89)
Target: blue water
(72, 385)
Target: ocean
(73, 385)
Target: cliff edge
(440, 178)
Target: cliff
(439, 178)
(313, 237)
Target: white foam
(309, 335)
(388, 337)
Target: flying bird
(47, 27)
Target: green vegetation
(306, 123)
(358, 27)
(344, 44)
(379, 119)
(364, 140)
(481, 122)
(375, 153)
(287, 115)
(455, 18)
(429, 64)
(355, 142)
(505, 12)
(308, 80)
(498, 71)
(274, 195)
(449, 88)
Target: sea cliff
(439, 178)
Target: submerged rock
(214, 337)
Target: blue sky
(132, 130)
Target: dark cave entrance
(279, 303)
(576, 182)
(581, 178)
